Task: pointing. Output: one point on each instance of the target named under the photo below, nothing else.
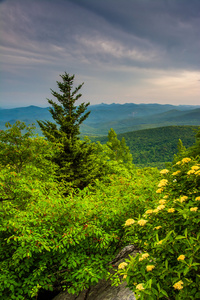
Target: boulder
(103, 289)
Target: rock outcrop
(103, 289)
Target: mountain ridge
(121, 117)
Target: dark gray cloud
(170, 26)
(139, 50)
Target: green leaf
(164, 293)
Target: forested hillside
(157, 145)
(68, 206)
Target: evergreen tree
(76, 158)
(68, 116)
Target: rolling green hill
(157, 145)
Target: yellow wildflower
(139, 287)
(124, 277)
(159, 191)
(165, 197)
(186, 160)
(161, 207)
(162, 201)
(129, 222)
(197, 172)
(178, 285)
(171, 210)
(190, 172)
(195, 168)
(178, 163)
(144, 256)
(183, 198)
(149, 211)
(122, 265)
(155, 210)
(181, 257)
(160, 242)
(193, 208)
(157, 227)
(142, 222)
(197, 198)
(162, 183)
(176, 173)
(140, 259)
(150, 268)
(164, 171)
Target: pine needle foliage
(66, 115)
(73, 154)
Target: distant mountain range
(121, 117)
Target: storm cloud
(125, 51)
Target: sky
(125, 51)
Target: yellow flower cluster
(176, 173)
(193, 208)
(183, 198)
(129, 222)
(144, 256)
(159, 191)
(195, 168)
(122, 265)
(162, 201)
(142, 222)
(164, 171)
(165, 197)
(162, 183)
(191, 172)
(139, 287)
(181, 257)
(197, 198)
(161, 207)
(178, 285)
(157, 227)
(186, 160)
(149, 211)
(171, 210)
(150, 268)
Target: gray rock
(103, 289)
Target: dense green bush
(52, 241)
(67, 243)
(167, 233)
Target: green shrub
(53, 241)
(167, 233)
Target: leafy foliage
(167, 233)
(120, 152)
(53, 241)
